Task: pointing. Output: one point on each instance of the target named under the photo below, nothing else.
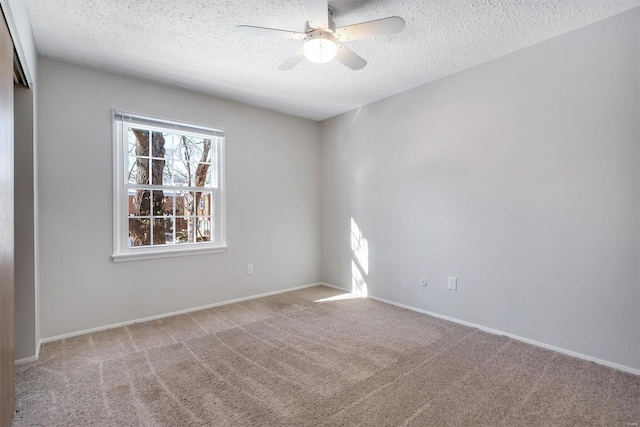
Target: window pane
(139, 202)
(139, 142)
(203, 201)
(158, 167)
(139, 232)
(172, 146)
(184, 202)
(157, 144)
(208, 182)
(201, 149)
(213, 152)
(184, 230)
(181, 173)
(138, 170)
(162, 231)
(201, 174)
(203, 229)
(167, 173)
(212, 178)
(188, 149)
(131, 143)
(132, 170)
(162, 203)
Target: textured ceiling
(194, 43)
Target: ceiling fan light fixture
(320, 47)
(323, 41)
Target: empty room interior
(319, 213)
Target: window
(168, 188)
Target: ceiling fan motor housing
(331, 24)
(320, 34)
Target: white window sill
(166, 253)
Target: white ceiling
(194, 43)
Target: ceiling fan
(322, 40)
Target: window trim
(123, 253)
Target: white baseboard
(515, 337)
(160, 316)
(333, 286)
(27, 359)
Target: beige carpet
(295, 360)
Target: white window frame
(121, 251)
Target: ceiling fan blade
(349, 58)
(379, 27)
(317, 13)
(292, 61)
(270, 32)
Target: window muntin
(169, 195)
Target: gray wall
(272, 176)
(519, 177)
(25, 260)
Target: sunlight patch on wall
(359, 246)
(360, 250)
(358, 285)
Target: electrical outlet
(453, 283)
(249, 269)
(423, 282)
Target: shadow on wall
(360, 261)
